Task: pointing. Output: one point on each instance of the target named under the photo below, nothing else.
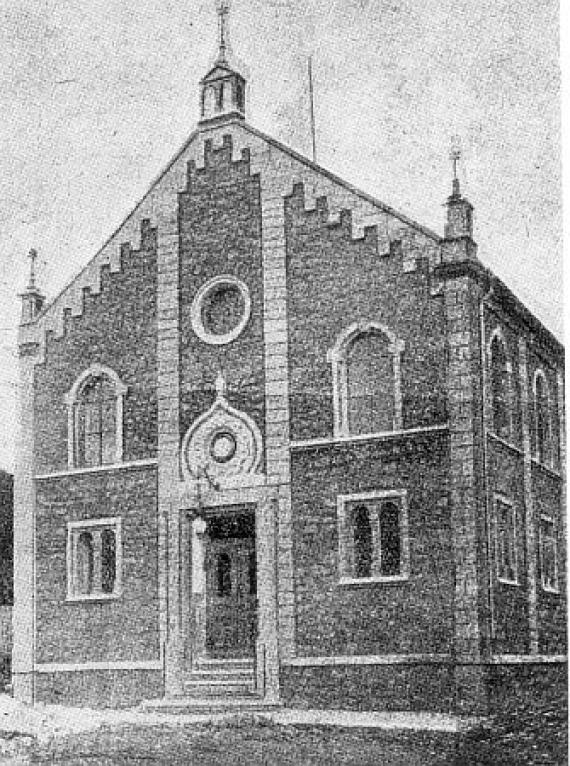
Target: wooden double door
(231, 597)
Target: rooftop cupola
(458, 240)
(32, 298)
(222, 90)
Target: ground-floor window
(373, 536)
(506, 540)
(94, 559)
(548, 554)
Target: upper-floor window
(94, 559)
(542, 419)
(95, 418)
(373, 536)
(501, 412)
(366, 380)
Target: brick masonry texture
(414, 616)
(99, 689)
(118, 329)
(220, 233)
(334, 281)
(123, 629)
(378, 687)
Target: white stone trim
(95, 371)
(196, 310)
(74, 528)
(107, 467)
(342, 523)
(336, 356)
(527, 659)
(85, 667)
(366, 659)
(498, 497)
(331, 440)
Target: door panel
(230, 597)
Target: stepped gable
(282, 172)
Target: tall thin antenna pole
(312, 100)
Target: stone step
(230, 665)
(207, 705)
(220, 676)
(212, 689)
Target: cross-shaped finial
(32, 255)
(455, 156)
(223, 9)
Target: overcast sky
(97, 95)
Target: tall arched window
(390, 538)
(95, 418)
(108, 560)
(362, 543)
(500, 387)
(366, 380)
(542, 423)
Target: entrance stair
(215, 686)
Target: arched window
(500, 388)
(85, 564)
(362, 542)
(366, 380)
(224, 574)
(252, 573)
(95, 418)
(542, 424)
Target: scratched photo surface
(282, 459)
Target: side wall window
(94, 559)
(542, 419)
(506, 540)
(500, 383)
(95, 418)
(366, 374)
(373, 536)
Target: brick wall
(334, 281)
(124, 629)
(220, 233)
(117, 328)
(412, 616)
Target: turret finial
(455, 156)
(33, 256)
(223, 9)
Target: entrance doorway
(231, 585)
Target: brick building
(278, 435)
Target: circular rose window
(221, 310)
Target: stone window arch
(366, 376)
(500, 378)
(543, 447)
(95, 418)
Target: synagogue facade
(282, 444)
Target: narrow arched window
(252, 573)
(224, 575)
(239, 95)
(370, 384)
(362, 542)
(85, 564)
(543, 433)
(500, 389)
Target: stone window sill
(373, 580)
(90, 597)
(506, 581)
